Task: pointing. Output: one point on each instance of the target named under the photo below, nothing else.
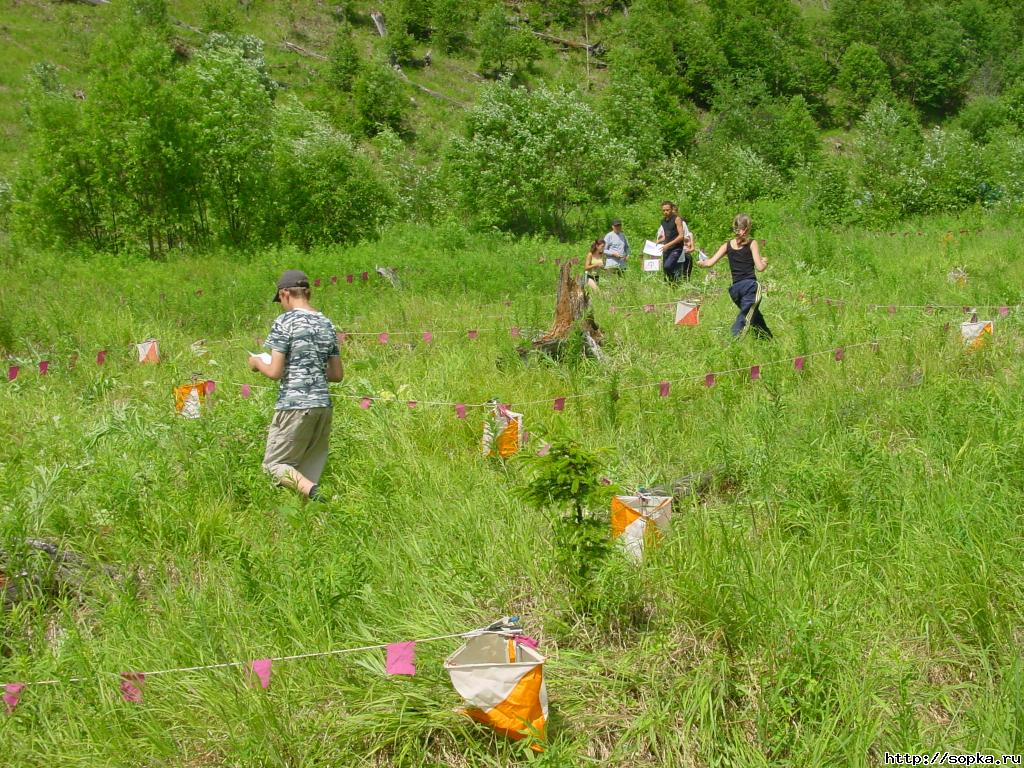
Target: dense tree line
(716, 102)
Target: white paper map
(652, 248)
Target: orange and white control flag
(503, 432)
(149, 351)
(189, 399)
(974, 333)
(502, 683)
(687, 313)
(637, 519)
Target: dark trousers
(677, 264)
(746, 294)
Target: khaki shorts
(298, 440)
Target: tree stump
(572, 311)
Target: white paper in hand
(652, 248)
(264, 356)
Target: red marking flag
(131, 686)
(12, 695)
(260, 669)
(401, 658)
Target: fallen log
(302, 51)
(436, 94)
(63, 572)
(590, 47)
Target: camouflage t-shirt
(307, 339)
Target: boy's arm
(275, 369)
(711, 262)
(760, 263)
(335, 372)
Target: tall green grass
(851, 584)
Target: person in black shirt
(672, 238)
(744, 261)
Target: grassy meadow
(851, 584)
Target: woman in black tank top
(745, 261)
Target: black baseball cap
(616, 222)
(292, 278)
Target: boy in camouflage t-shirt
(303, 357)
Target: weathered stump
(572, 312)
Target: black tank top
(668, 226)
(741, 262)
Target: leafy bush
(344, 60)
(862, 78)
(324, 190)
(380, 100)
(530, 156)
(567, 480)
(952, 169)
(505, 50)
(830, 193)
(451, 21)
(982, 116)
(887, 163)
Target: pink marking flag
(260, 669)
(514, 331)
(838, 355)
(73, 361)
(365, 403)
(526, 640)
(559, 404)
(755, 372)
(12, 373)
(211, 386)
(364, 276)
(349, 278)
(342, 337)
(401, 658)
(648, 307)
(709, 380)
(427, 337)
(101, 357)
(798, 363)
(411, 404)
(44, 366)
(316, 282)
(246, 391)
(334, 279)
(12, 695)
(663, 388)
(526, 437)
(460, 411)
(558, 262)
(544, 450)
(131, 686)
(1004, 311)
(892, 309)
(471, 334)
(383, 338)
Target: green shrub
(505, 50)
(380, 100)
(530, 156)
(344, 60)
(451, 20)
(953, 172)
(982, 117)
(324, 190)
(862, 78)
